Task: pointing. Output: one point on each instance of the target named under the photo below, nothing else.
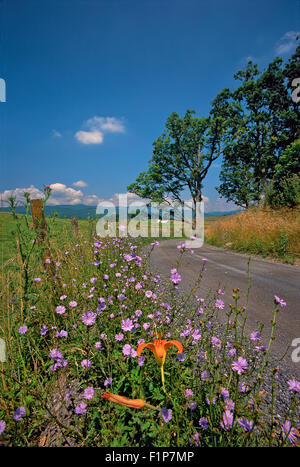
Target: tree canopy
(265, 123)
(182, 155)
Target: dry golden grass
(259, 231)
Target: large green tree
(265, 122)
(182, 155)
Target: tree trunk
(197, 199)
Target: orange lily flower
(122, 400)
(159, 349)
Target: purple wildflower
(289, 431)
(203, 422)
(219, 304)
(244, 423)
(126, 350)
(55, 354)
(261, 348)
(62, 333)
(278, 300)
(127, 325)
(196, 335)
(255, 336)
(224, 393)
(119, 336)
(211, 401)
(205, 375)
(107, 382)
(240, 365)
(181, 357)
(192, 405)
(227, 420)
(23, 329)
(80, 409)
(89, 318)
(88, 393)
(19, 413)
(243, 387)
(2, 426)
(175, 277)
(60, 309)
(294, 385)
(229, 404)
(141, 361)
(166, 415)
(68, 395)
(216, 342)
(44, 330)
(86, 363)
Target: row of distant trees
(254, 129)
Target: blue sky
(90, 83)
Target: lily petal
(122, 400)
(148, 345)
(176, 343)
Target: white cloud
(91, 200)
(80, 184)
(97, 127)
(56, 134)
(89, 137)
(35, 193)
(60, 194)
(122, 199)
(106, 124)
(220, 204)
(287, 42)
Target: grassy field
(274, 234)
(58, 228)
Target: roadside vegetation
(259, 231)
(100, 351)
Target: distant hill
(81, 211)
